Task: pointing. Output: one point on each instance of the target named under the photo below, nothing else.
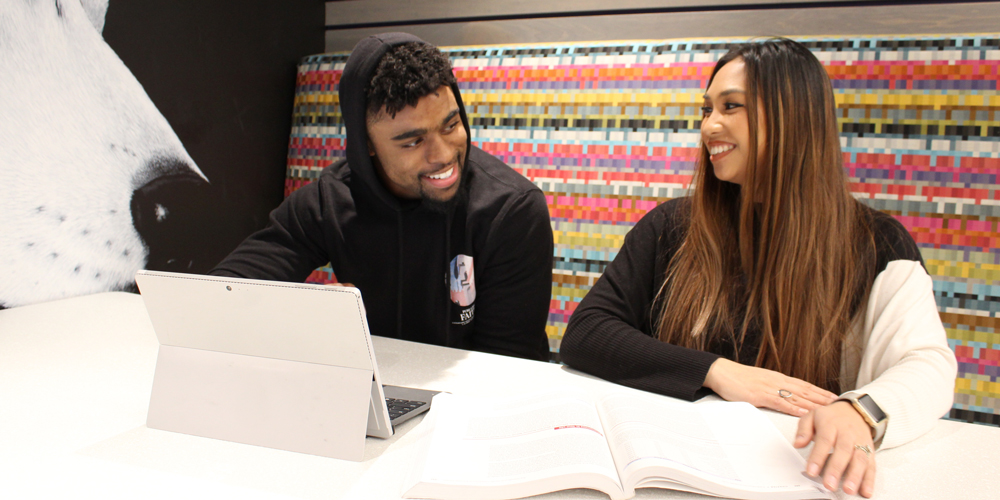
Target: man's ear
(371, 149)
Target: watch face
(869, 404)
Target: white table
(75, 377)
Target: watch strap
(860, 401)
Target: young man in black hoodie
(447, 244)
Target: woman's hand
(760, 387)
(839, 428)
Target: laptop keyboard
(400, 407)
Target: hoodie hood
(353, 105)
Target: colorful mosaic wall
(610, 130)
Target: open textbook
(499, 449)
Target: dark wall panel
(223, 75)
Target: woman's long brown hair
(788, 252)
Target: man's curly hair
(406, 73)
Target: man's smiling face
(420, 153)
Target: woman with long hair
(771, 284)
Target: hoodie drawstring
(399, 276)
(447, 278)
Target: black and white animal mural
(91, 173)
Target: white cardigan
(906, 365)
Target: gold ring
(864, 448)
(785, 394)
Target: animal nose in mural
(169, 214)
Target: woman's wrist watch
(874, 416)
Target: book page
(719, 448)
(762, 457)
(514, 447)
(642, 428)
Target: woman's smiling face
(725, 127)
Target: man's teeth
(714, 150)
(443, 175)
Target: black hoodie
(494, 246)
